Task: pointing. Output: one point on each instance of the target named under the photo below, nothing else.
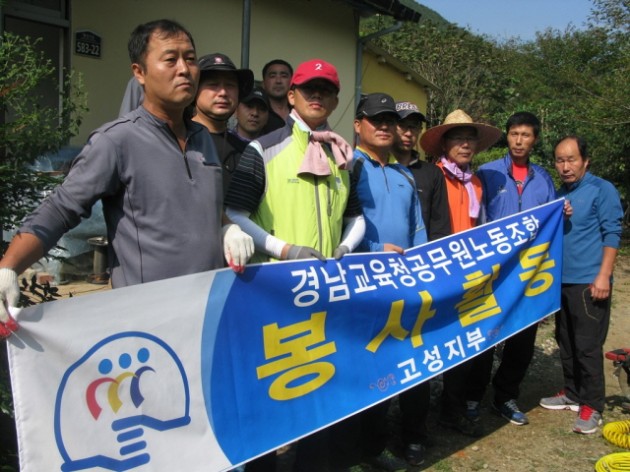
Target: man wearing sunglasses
(386, 189)
(393, 220)
(431, 188)
(272, 191)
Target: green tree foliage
(576, 81)
(465, 68)
(614, 15)
(28, 129)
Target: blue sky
(502, 19)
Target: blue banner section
(298, 346)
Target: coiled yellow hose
(617, 433)
(617, 462)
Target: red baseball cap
(315, 69)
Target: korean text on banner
(207, 371)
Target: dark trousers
(360, 436)
(479, 375)
(581, 330)
(374, 431)
(518, 352)
(266, 463)
(455, 383)
(414, 410)
(311, 455)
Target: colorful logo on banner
(123, 387)
(305, 344)
(284, 349)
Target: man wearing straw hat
(454, 143)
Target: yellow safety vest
(304, 210)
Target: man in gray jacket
(157, 174)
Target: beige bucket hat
(431, 140)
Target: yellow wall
(295, 30)
(383, 77)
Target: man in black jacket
(221, 86)
(429, 179)
(414, 403)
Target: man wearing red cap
(272, 188)
(291, 191)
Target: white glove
(9, 297)
(238, 247)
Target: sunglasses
(324, 89)
(382, 119)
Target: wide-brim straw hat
(431, 140)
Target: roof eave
(401, 10)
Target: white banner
(205, 372)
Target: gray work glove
(9, 297)
(238, 247)
(304, 252)
(341, 251)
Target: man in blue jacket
(591, 240)
(393, 222)
(387, 190)
(510, 184)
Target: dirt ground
(547, 444)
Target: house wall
(383, 77)
(294, 30)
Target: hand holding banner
(254, 361)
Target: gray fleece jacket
(162, 206)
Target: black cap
(406, 109)
(221, 63)
(374, 104)
(257, 94)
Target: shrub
(28, 130)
